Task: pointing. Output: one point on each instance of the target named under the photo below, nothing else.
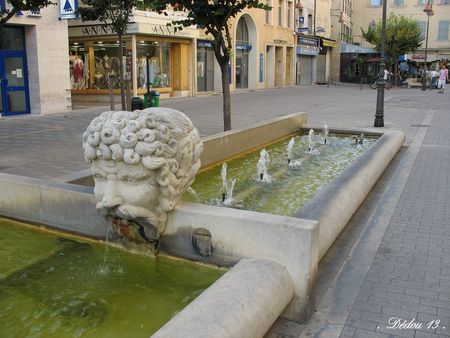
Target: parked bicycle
(374, 84)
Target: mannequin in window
(99, 74)
(78, 68)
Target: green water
(60, 287)
(291, 188)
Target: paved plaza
(393, 258)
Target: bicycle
(374, 84)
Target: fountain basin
(297, 243)
(54, 285)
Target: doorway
(14, 98)
(205, 69)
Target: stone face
(142, 162)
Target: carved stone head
(142, 162)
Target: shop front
(154, 56)
(307, 51)
(205, 66)
(14, 89)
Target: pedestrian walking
(434, 77)
(443, 78)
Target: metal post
(314, 28)
(424, 77)
(379, 112)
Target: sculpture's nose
(111, 197)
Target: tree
(114, 13)
(17, 6)
(402, 35)
(214, 16)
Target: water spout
(263, 162)
(292, 163)
(290, 146)
(311, 140)
(227, 186)
(358, 139)
(325, 133)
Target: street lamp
(428, 9)
(381, 83)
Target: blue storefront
(307, 51)
(14, 89)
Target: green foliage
(21, 5)
(214, 16)
(115, 13)
(402, 35)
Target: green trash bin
(154, 96)
(147, 100)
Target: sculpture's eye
(131, 180)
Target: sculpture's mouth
(135, 230)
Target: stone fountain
(142, 163)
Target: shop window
(158, 66)
(11, 38)
(79, 66)
(107, 65)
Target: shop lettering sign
(97, 30)
(307, 42)
(105, 30)
(162, 30)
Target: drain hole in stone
(201, 242)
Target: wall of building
(365, 12)
(46, 40)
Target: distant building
(315, 43)
(33, 63)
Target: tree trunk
(226, 96)
(122, 76)
(396, 73)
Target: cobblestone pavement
(393, 258)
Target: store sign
(418, 57)
(34, 13)
(68, 9)
(261, 67)
(307, 42)
(307, 46)
(104, 30)
(6, 6)
(243, 47)
(206, 44)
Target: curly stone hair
(164, 140)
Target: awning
(356, 49)
(328, 42)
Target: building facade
(263, 55)
(33, 63)
(153, 52)
(439, 25)
(315, 43)
(182, 63)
